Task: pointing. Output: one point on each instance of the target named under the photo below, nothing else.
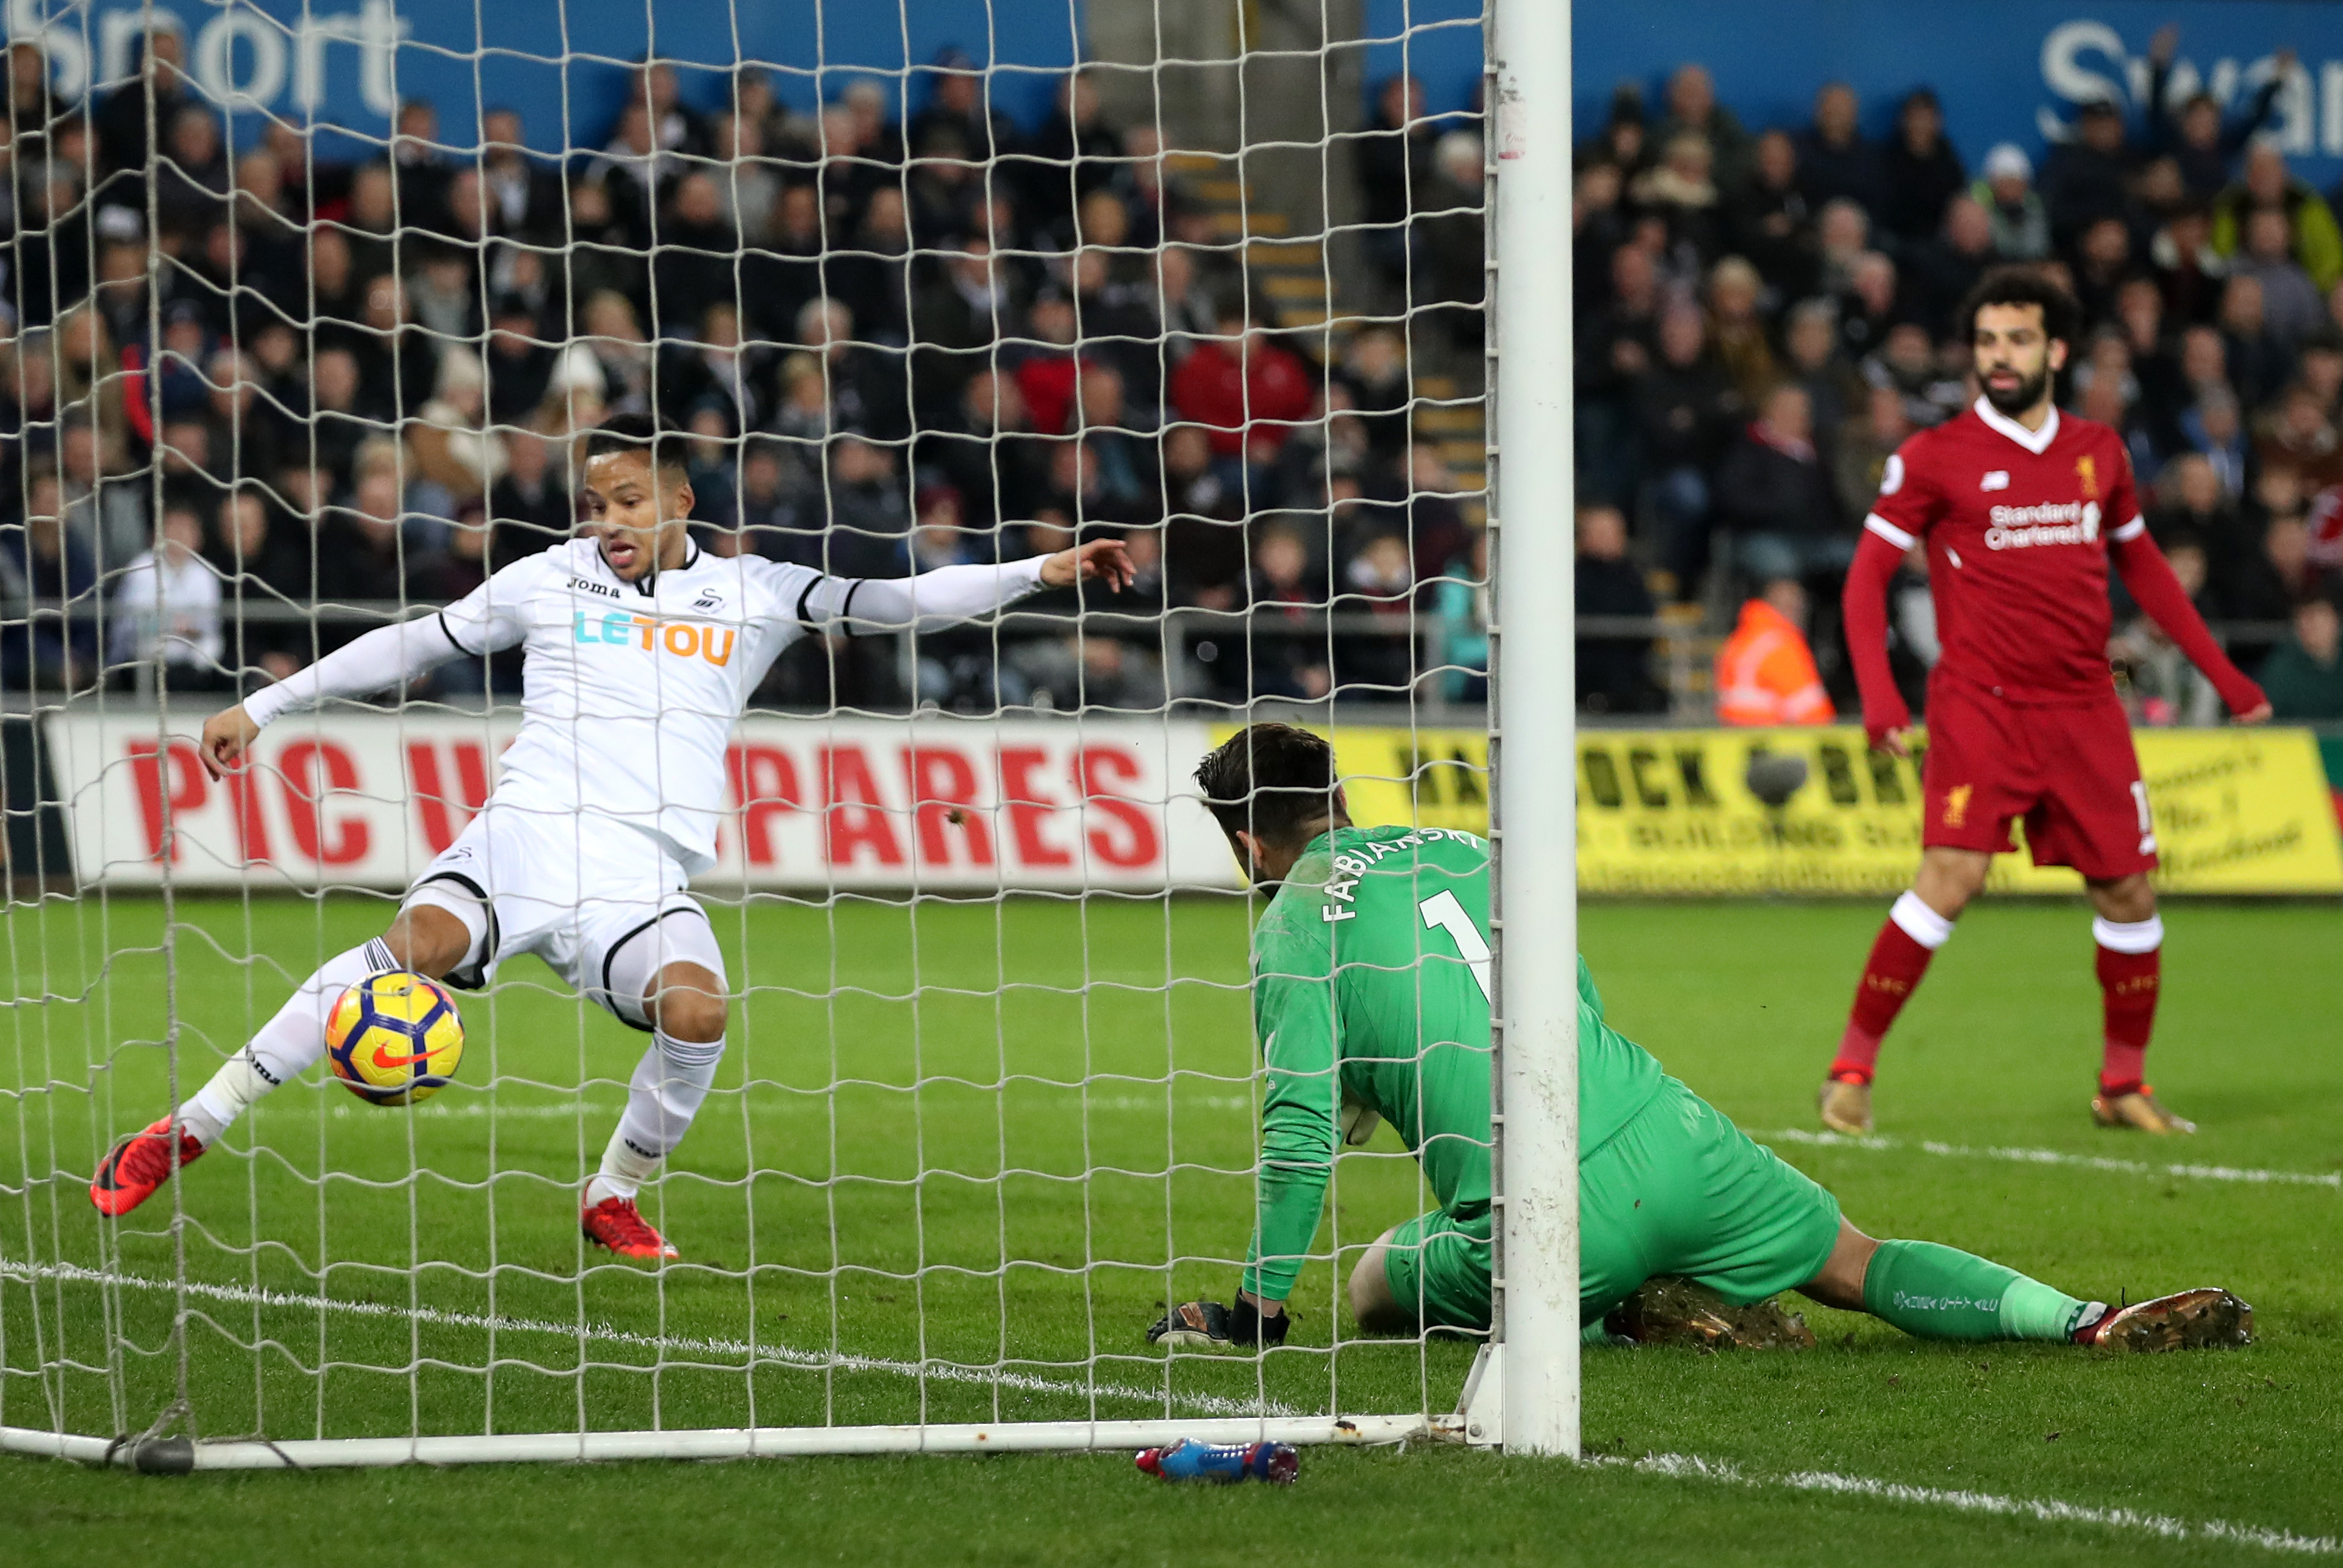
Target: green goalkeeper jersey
(1370, 984)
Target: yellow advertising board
(2237, 810)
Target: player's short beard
(2028, 392)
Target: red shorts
(2070, 773)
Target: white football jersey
(630, 690)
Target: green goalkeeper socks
(1941, 1293)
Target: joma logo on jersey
(683, 638)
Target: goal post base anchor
(1482, 1406)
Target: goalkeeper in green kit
(1370, 997)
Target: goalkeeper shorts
(1677, 1190)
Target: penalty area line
(1201, 1404)
(2331, 1180)
(2045, 1510)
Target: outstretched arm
(2160, 50)
(1300, 1117)
(2149, 577)
(950, 594)
(2238, 132)
(1294, 1017)
(375, 662)
(1864, 604)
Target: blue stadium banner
(563, 66)
(2008, 70)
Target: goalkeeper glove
(1210, 1326)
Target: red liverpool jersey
(2017, 524)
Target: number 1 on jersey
(1443, 913)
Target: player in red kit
(2021, 509)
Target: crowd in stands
(905, 338)
(1764, 313)
(900, 339)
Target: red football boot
(135, 1167)
(618, 1224)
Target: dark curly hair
(2062, 319)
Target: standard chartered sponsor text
(2045, 523)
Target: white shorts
(572, 890)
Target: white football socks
(664, 1095)
(287, 1045)
(625, 1170)
(228, 1095)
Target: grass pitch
(947, 1178)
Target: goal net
(309, 314)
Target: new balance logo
(1995, 479)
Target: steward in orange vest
(1766, 673)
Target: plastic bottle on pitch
(1191, 1458)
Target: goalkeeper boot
(2138, 1109)
(139, 1164)
(2207, 1318)
(617, 1223)
(1210, 1326)
(1668, 1310)
(1846, 1104)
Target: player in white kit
(641, 650)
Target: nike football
(395, 1038)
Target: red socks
(2130, 967)
(1899, 957)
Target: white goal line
(481, 1111)
(476, 1110)
(1879, 1145)
(1201, 1404)
(181, 1454)
(2047, 1511)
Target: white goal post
(319, 351)
(1533, 751)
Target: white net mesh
(309, 315)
